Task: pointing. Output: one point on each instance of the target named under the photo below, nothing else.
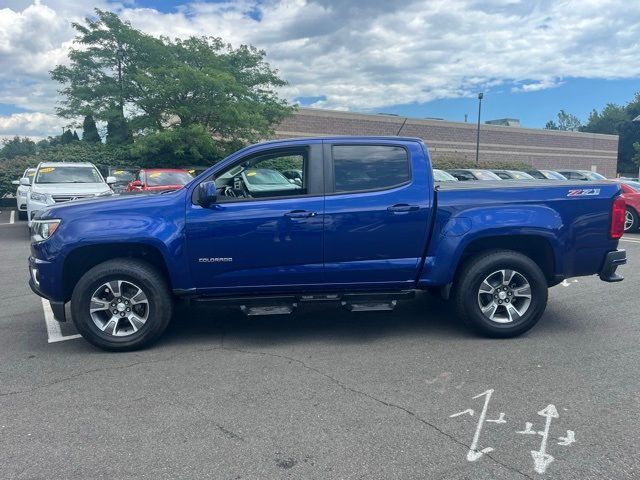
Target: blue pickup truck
(362, 224)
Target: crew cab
(365, 227)
(59, 182)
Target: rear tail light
(618, 211)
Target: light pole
(480, 95)
(637, 121)
(120, 56)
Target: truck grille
(66, 198)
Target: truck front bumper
(39, 270)
(611, 262)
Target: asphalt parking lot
(324, 393)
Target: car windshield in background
(122, 176)
(30, 172)
(156, 179)
(484, 175)
(265, 177)
(554, 175)
(634, 185)
(520, 175)
(594, 176)
(442, 176)
(68, 175)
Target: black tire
(143, 275)
(467, 295)
(635, 223)
(22, 215)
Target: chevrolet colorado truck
(364, 227)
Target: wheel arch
(81, 259)
(536, 247)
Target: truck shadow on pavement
(423, 316)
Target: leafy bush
(13, 169)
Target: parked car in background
(583, 175)
(546, 175)
(59, 182)
(23, 191)
(123, 176)
(442, 176)
(159, 180)
(631, 195)
(464, 174)
(512, 175)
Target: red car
(159, 180)
(631, 195)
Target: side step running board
(370, 306)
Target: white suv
(22, 192)
(56, 182)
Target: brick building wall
(538, 148)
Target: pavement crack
(379, 401)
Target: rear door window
(369, 167)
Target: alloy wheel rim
(119, 308)
(504, 296)
(628, 220)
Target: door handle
(300, 214)
(403, 207)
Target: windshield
(485, 175)
(122, 176)
(550, 174)
(264, 176)
(29, 172)
(633, 185)
(594, 176)
(156, 179)
(68, 174)
(442, 176)
(520, 175)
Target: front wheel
(500, 293)
(121, 304)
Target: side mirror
(15, 182)
(25, 181)
(111, 180)
(207, 194)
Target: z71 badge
(583, 192)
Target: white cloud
(359, 55)
(32, 124)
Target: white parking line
(629, 240)
(53, 327)
(12, 217)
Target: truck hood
(116, 204)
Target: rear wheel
(631, 221)
(500, 293)
(121, 304)
(22, 215)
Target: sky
(417, 58)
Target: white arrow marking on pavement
(568, 440)
(541, 459)
(473, 454)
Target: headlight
(43, 229)
(22, 193)
(38, 197)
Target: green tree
(17, 146)
(617, 120)
(566, 122)
(89, 130)
(143, 84)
